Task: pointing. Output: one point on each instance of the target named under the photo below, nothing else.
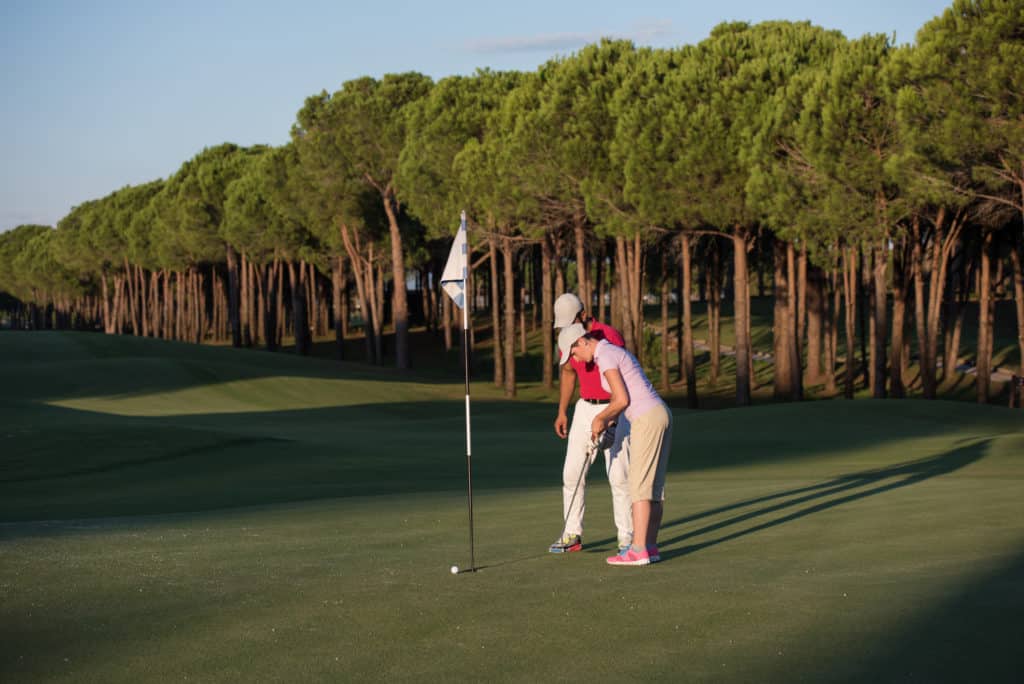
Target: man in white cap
(579, 457)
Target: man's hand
(562, 425)
(566, 387)
(598, 426)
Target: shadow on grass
(61, 463)
(61, 365)
(973, 636)
(815, 498)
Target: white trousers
(616, 463)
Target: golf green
(171, 512)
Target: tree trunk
(582, 272)
(268, 272)
(801, 312)
(636, 272)
(169, 307)
(377, 285)
(143, 288)
(751, 373)
(255, 306)
(614, 291)
(155, 309)
(499, 358)
(234, 297)
(535, 287)
(435, 303)
(259, 333)
(867, 284)
(428, 301)
(508, 336)
(680, 363)
(899, 308)
(300, 323)
(198, 308)
(850, 296)
(133, 312)
(180, 307)
(741, 302)
(520, 278)
(522, 316)
(118, 311)
(338, 303)
(953, 348)
(345, 306)
(897, 367)
(663, 300)
(943, 241)
(1018, 283)
(880, 313)
(830, 319)
(714, 307)
(191, 304)
(781, 323)
(471, 298)
(559, 275)
(547, 308)
(363, 273)
(107, 327)
(984, 353)
(623, 282)
(959, 287)
(245, 301)
(686, 360)
(1018, 298)
(218, 317)
(816, 323)
(924, 344)
(400, 305)
(309, 278)
(126, 302)
(797, 299)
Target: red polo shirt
(589, 375)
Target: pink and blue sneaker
(630, 556)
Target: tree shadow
(65, 463)
(820, 497)
(64, 365)
(973, 636)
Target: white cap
(567, 307)
(567, 338)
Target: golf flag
(453, 281)
(456, 270)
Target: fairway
(171, 512)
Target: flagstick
(454, 280)
(469, 457)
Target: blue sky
(102, 94)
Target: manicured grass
(174, 512)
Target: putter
(603, 441)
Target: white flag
(456, 270)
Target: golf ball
(455, 569)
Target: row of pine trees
(863, 179)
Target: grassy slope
(834, 540)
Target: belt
(596, 401)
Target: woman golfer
(651, 434)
